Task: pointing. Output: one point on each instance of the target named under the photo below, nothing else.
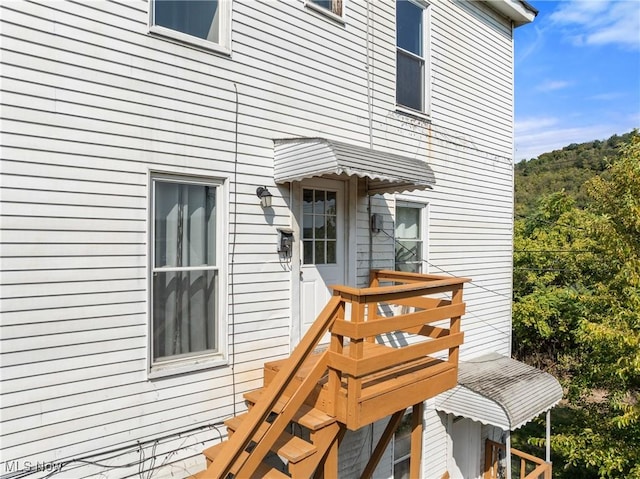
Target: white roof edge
(517, 10)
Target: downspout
(513, 156)
(370, 229)
(369, 81)
(370, 114)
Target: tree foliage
(577, 312)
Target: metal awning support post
(508, 453)
(548, 438)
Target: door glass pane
(319, 224)
(319, 250)
(307, 253)
(307, 201)
(307, 226)
(331, 227)
(318, 206)
(331, 252)
(320, 227)
(332, 202)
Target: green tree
(577, 312)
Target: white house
(146, 279)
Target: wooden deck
(354, 381)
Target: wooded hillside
(564, 170)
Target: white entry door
(322, 245)
(465, 458)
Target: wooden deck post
(336, 345)
(415, 461)
(456, 298)
(356, 351)
(372, 308)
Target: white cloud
(614, 95)
(552, 85)
(535, 136)
(600, 22)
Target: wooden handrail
(542, 468)
(222, 464)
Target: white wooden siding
(91, 102)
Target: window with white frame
(185, 267)
(409, 236)
(333, 6)
(411, 54)
(204, 22)
(402, 447)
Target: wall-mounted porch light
(265, 196)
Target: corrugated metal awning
(299, 158)
(500, 391)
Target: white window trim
(425, 113)
(224, 46)
(327, 13)
(204, 360)
(423, 206)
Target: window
(333, 6)
(411, 65)
(402, 447)
(409, 236)
(185, 268)
(319, 233)
(204, 22)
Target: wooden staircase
(296, 421)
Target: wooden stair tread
(307, 416)
(304, 369)
(293, 449)
(264, 471)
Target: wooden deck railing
(538, 468)
(357, 362)
(417, 301)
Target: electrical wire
(398, 243)
(121, 451)
(467, 312)
(232, 311)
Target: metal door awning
(500, 391)
(297, 159)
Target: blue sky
(577, 74)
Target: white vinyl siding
(92, 102)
